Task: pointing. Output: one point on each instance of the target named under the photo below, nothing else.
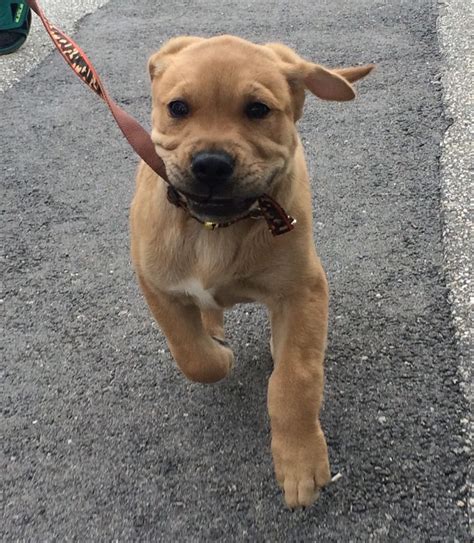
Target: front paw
(301, 466)
(206, 362)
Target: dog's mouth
(218, 209)
(221, 204)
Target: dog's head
(224, 113)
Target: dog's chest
(211, 270)
(203, 266)
(193, 288)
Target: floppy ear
(324, 83)
(355, 73)
(157, 61)
(335, 84)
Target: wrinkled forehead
(224, 67)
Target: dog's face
(224, 113)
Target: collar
(265, 207)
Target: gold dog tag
(208, 225)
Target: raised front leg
(295, 392)
(199, 356)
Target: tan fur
(182, 267)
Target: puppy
(224, 114)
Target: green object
(15, 21)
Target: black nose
(212, 168)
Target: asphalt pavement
(102, 437)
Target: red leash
(277, 219)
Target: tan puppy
(224, 113)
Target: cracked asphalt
(102, 438)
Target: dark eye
(257, 110)
(178, 109)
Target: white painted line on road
(38, 44)
(455, 31)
